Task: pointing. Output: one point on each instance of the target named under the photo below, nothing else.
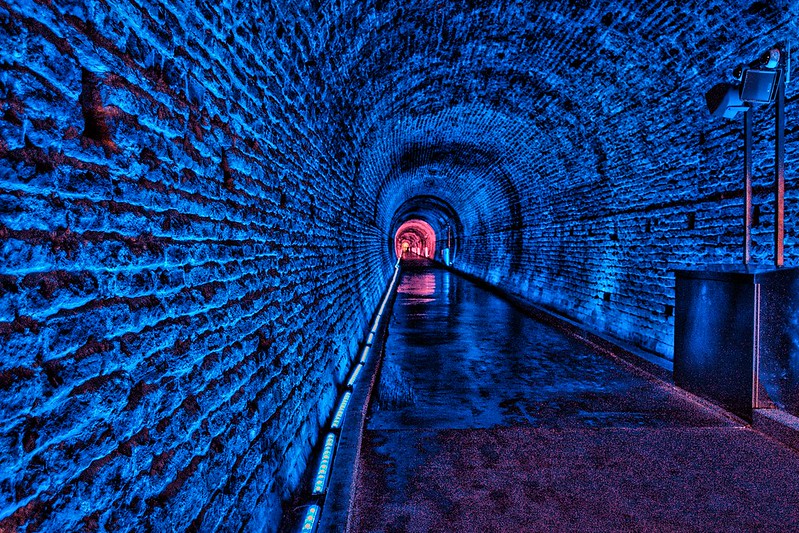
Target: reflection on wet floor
(418, 286)
(486, 420)
(459, 357)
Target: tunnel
(213, 214)
(415, 237)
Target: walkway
(486, 420)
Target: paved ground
(485, 420)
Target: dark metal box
(736, 336)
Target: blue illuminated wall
(196, 201)
(573, 140)
(184, 272)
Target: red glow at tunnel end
(415, 237)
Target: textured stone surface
(183, 277)
(573, 140)
(196, 205)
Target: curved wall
(573, 141)
(198, 203)
(184, 270)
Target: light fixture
(309, 524)
(342, 408)
(354, 375)
(771, 59)
(759, 86)
(324, 465)
(761, 82)
(365, 353)
(724, 100)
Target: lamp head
(724, 100)
(770, 59)
(759, 85)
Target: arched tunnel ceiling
(440, 215)
(465, 165)
(497, 106)
(199, 199)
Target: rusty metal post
(747, 185)
(779, 176)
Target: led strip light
(310, 522)
(365, 353)
(354, 376)
(342, 408)
(324, 465)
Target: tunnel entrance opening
(415, 238)
(444, 225)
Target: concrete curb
(777, 424)
(339, 499)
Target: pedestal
(736, 336)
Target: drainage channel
(326, 487)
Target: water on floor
(460, 357)
(486, 420)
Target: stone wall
(184, 275)
(574, 142)
(196, 202)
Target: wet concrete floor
(486, 420)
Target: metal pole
(747, 185)
(779, 177)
